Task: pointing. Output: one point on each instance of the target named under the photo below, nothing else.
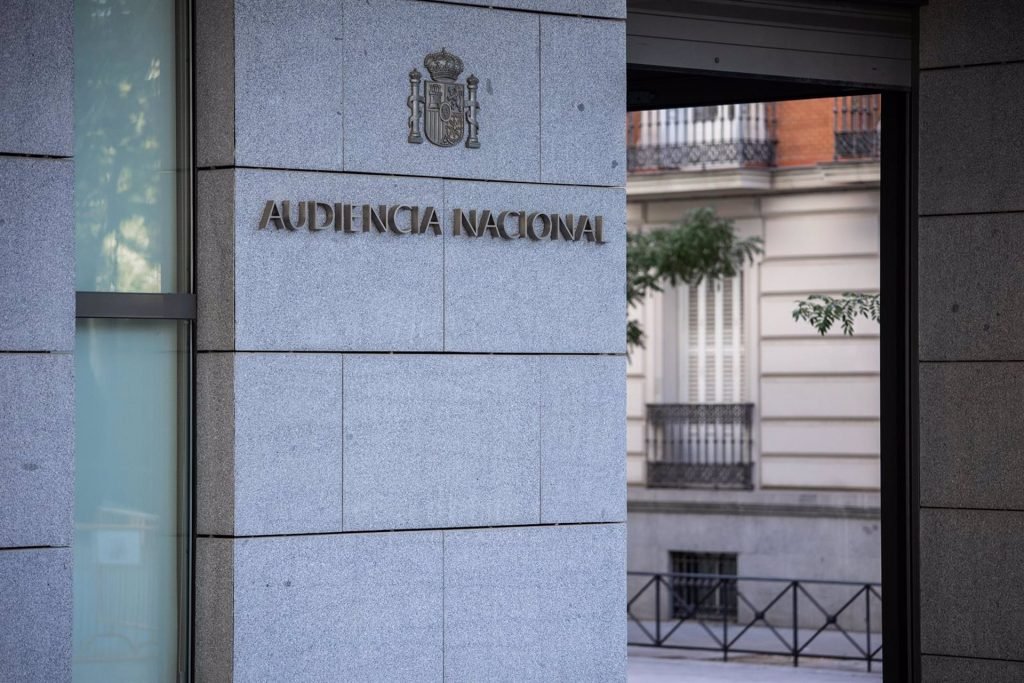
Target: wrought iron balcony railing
(792, 618)
(857, 122)
(698, 138)
(747, 135)
(699, 445)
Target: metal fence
(793, 618)
(698, 138)
(699, 445)
(857, 122)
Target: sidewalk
(642, 669)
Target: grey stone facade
(409, 446)
(36, 340)
(297, 592)
(35, 599)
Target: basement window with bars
(706, 588)
(711, 341)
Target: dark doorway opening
(657, 88)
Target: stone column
(411, 448)
(971, 237)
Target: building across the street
(312, 351)
(753, 441)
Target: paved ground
(645, 669)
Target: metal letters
(442, 109)
(409, 219)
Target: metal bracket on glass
(141, 306)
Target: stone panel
(956, 33)
(36, 72)
(215, 260)
(37, 254)
(353, 607)
(583, 97)
(215, 82)
(789, 276)
(439, 441)
(959, 670)
(972, 435)
(820, 472)
(970, 592)
(388, 38)
(288, 444)
(329, 290)
(594, 8)
(525, 296)
(583, 473)
(214, 609)
(971, 284)
(820, 396)
(540, 603)
(35, 601)
(289, 73)
(215, 443)
(821, 356)
(971, 158)
(37, 422)
(820, 437)
(829, 232)
(270, 443)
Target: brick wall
(805, 132)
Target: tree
(702, 245)
(823, 311)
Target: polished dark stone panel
(972, 435)
(971, 603)
(971, 155)
(971, 281)
(957, 33)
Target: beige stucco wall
(816, 415)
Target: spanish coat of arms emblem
(442, 109)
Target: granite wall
(971, 206)
(410, 447)
(37, 323)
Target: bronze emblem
(444, 108)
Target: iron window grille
(701, 587)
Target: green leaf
(823, 312)
(701, 246)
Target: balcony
(694, 445)
(754, 136)
(699, 138)
(857, 122)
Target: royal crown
(443, 66)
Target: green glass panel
(128, 537)
(125, 146)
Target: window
(133, 342)
(705, 439)
(711, 343)
(711, 594)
